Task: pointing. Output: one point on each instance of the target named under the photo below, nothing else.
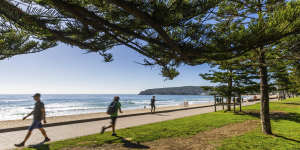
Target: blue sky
(65, 69)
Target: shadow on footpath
(161, 114)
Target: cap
(37, 95)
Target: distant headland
(184, 90)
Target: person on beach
(113, 110)
(38, 115)
(153, 104)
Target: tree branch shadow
(289, 139)
(276, 116)
(292, 103)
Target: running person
(38, 115)
(114, 115)
(153, 104)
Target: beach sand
(56, 119)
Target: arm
(44, 115)
(28, 115)
(120, 109)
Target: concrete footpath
(61, 132)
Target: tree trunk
(215, 105)
(228, 103)
(264, 109)
(223, 103)
(234, 102)
(240, 98)
(229, 91)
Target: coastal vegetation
(257, 33)
(234, 79)
(185, 90)
(239, 131)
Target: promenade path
(72, 130)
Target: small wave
(17, 106)
(198, 102)
(13, 100)
(73, 109)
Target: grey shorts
(36, 124)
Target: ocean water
(14, 107)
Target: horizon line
(66, 93)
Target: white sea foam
(17, 106)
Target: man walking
(112, 110)
(153, 104)
(38, 115)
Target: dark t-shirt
(152, 101)
(37, 112)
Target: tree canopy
(15, 42)
(169, 32)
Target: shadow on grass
(125, 143)
(289, 139)
(292, 103)
(129, 144)
(40, 146)
(276, 116)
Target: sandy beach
(20, 123)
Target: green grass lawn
(289, 105)
(187, 126)
(286, 128)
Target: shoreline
(4, 124)
(65, 118)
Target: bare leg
(107, 127)
(113, 127)
(27, 136)
(43, 132)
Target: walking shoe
(46, 140)
(114, 134)
(20, 145)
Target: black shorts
(113, 120)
